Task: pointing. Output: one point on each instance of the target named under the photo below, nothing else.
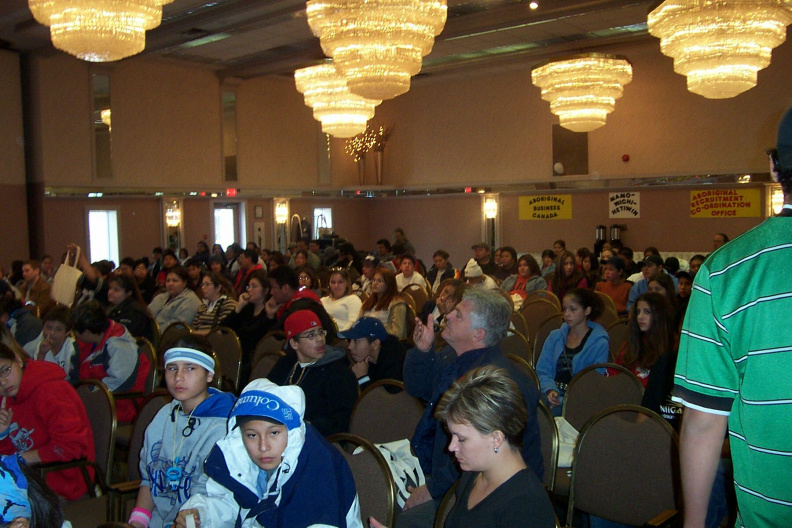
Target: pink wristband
(140, 515)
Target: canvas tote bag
(65, 283)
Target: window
(103, 235)
(323, 218)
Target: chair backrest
(380, 416)
(536, 313)
(146, 347)
(516, 344)
(553, 322)
(272, 341)
(606, 299)
(156, 333)
(607, 317)
(410, 323)
(519, 323)
(171, 334)
(590, 392)
(265, 363)
(542, 294)
(548, 433)
(523, 366)
(373, 481)
(618, 334)
(419, 295)
(226, 345)
(446, 505)
(363, 296)
(100, 406)
(617, 450)
(148, 410)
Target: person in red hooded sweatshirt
(43, 419)
(287, 297)
(109, 353)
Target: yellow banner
(546, 207)
(720, 203)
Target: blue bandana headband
(14, 501)
(266, 405)
(190, 355)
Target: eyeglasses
(305, 279)
(5, 371)
(207, 284)
(377, 280)
(314, 336)
(252, 286)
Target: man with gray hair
(474, 330)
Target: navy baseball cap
(366, 327)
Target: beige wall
(65, 221)
(494, 129)
(13, 199)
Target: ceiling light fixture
(342, 113)
(378, 44)
(582, 89)
(719, 45)
(98, 30)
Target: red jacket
(116, 362)
(49, 416)
(243, 277)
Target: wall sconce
(490, 208)
(281, 213)
(173, 215)
(776, 200)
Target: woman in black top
(486, 414)
(249, 320)
(127, 308)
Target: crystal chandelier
(342, 113)
(378, 44)
(719, 45)
(99, 30)
(582, 90)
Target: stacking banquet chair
(618, 334)
(516, 344)
(626, 468)
(95, 508)
(553, 322)
(419, 295)
(373, 480)
(272, 341)
(606, 299)
(590, 392)
(226, 345)
(265, 363)
(381, 416)
(519, 323)
(548, 433)
(123, 493)
(536, 313)
(524, 367)
(449, 499)
(607, 317)
(542, 294)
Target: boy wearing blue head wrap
(273, 470)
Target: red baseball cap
(299, 322)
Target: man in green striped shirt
(735, 366)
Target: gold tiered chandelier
(99, 30)
(342, 113)
(378, 44)
(582, 90)
(719, 45)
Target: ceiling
(251, 38)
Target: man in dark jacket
(287, 298)
(473, 331)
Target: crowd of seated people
(317, 298)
